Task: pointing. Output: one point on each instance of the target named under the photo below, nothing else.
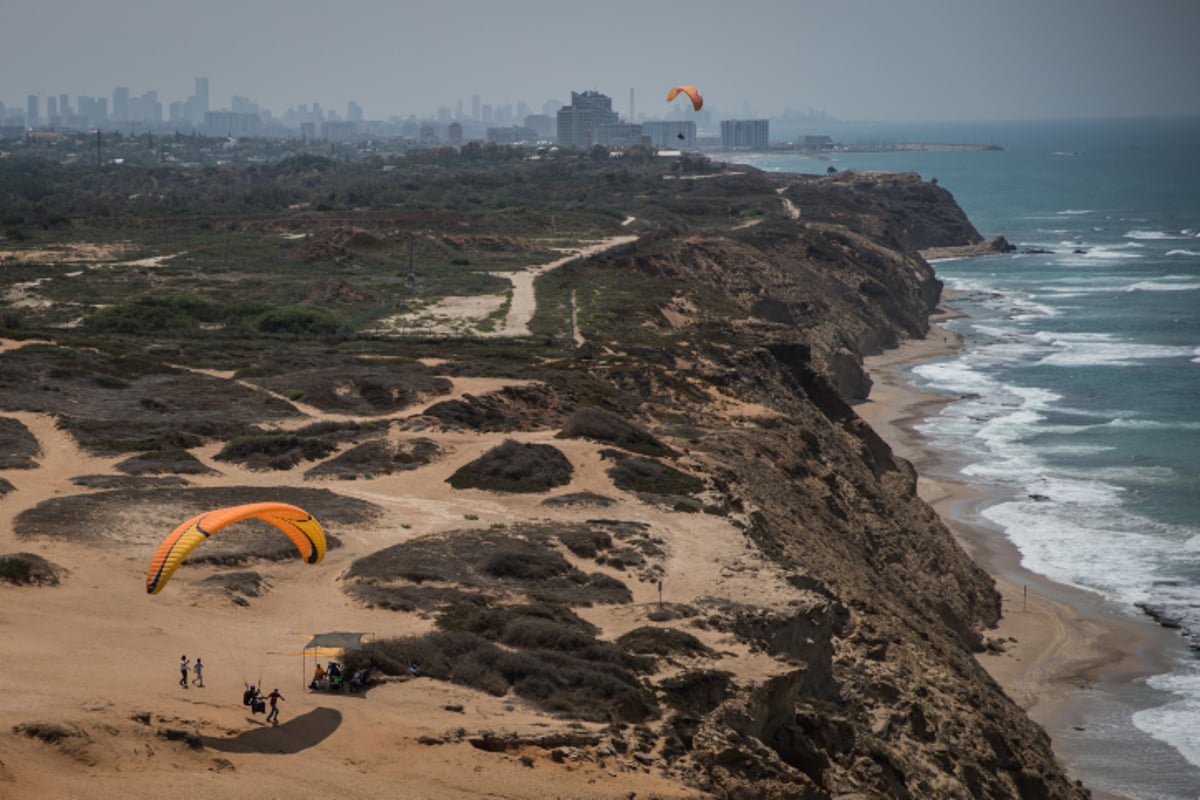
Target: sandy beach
(1058, 642)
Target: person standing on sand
(199, 670)
(183, 671)
(274, 696)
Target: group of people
(183, 672)
(258, 704)
(251, 697)
(333, 678)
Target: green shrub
(635, 474)
(595, 423)
(48, 732)
(650, 640)
(24, 569)
(550, 680)
(297, 321)
(280, 451)
(15, 570)
(515, 467)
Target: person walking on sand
(199, 670)
(183, 671)
(274, 696)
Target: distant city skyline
(124, 104)
(920, 60)
(132, 113)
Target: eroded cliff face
(886, 698)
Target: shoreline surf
(1066, 655)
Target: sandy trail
(468, 315)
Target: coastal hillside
(581, 433)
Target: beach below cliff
(1057, 649)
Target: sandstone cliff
(842, 665)
(886, 697)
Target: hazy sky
(894, 60)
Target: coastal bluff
(721, 584)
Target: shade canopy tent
(333, 643)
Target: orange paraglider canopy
(300, 526)
(690, 91)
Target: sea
(1076, 399)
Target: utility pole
(99, 162)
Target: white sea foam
(1162, 285)
(1126, 475)
(1175, 721)
(1152, 235)
(1091, 256)
(1075, 541)
(1072, 212)
(1102, 349)
(1153, 424)
(1189, 253)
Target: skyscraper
(578, 122)
(120, 111)
(202, 94)
(31, 111)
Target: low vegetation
(28, 569)
(600, 425)
(491, 562)
(551, 680)
(515, 467)
(645, 475)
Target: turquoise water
(1078, 389)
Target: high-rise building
(244, 105)
(475, 108)
(31, 111)
(750, 134)
(64, 107)
(354, 112)
(202, 94)
(121, 104)
(455, 131)
(578, 122)
(542, 124)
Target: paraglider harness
(251, 698)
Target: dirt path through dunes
(476, 315)
(524, 301)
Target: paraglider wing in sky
(691, 91)
(300, 526)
